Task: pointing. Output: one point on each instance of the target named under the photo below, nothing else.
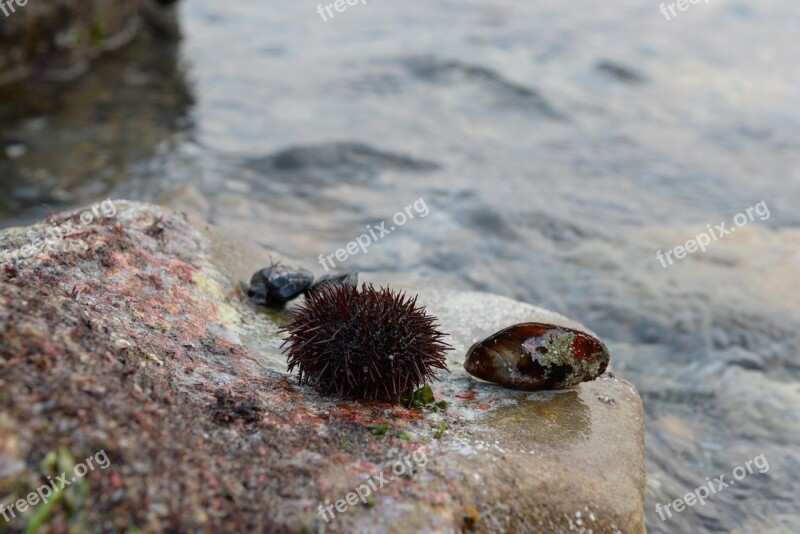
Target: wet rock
(620, 72)
(533, 356)
(12, 465)
(56, 40)
(335, 163)
(445, 72)
(139, 342)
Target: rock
(57, 39)
(535, 356)
(132, 336)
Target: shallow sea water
(557, 149)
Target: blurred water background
(558, 147)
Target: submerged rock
(534, 356)
(56, 40)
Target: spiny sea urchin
(363, 343)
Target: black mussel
(534, 356)
(335, 279)
(276, 285)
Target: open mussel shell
(349, 278)
(534, 356)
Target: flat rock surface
(131, 336)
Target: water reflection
(559, 418)
(68, 144)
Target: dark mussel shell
(335, 279)
(277, 285)
(533, 356)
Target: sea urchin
(363, 343)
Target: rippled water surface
(557, 148)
